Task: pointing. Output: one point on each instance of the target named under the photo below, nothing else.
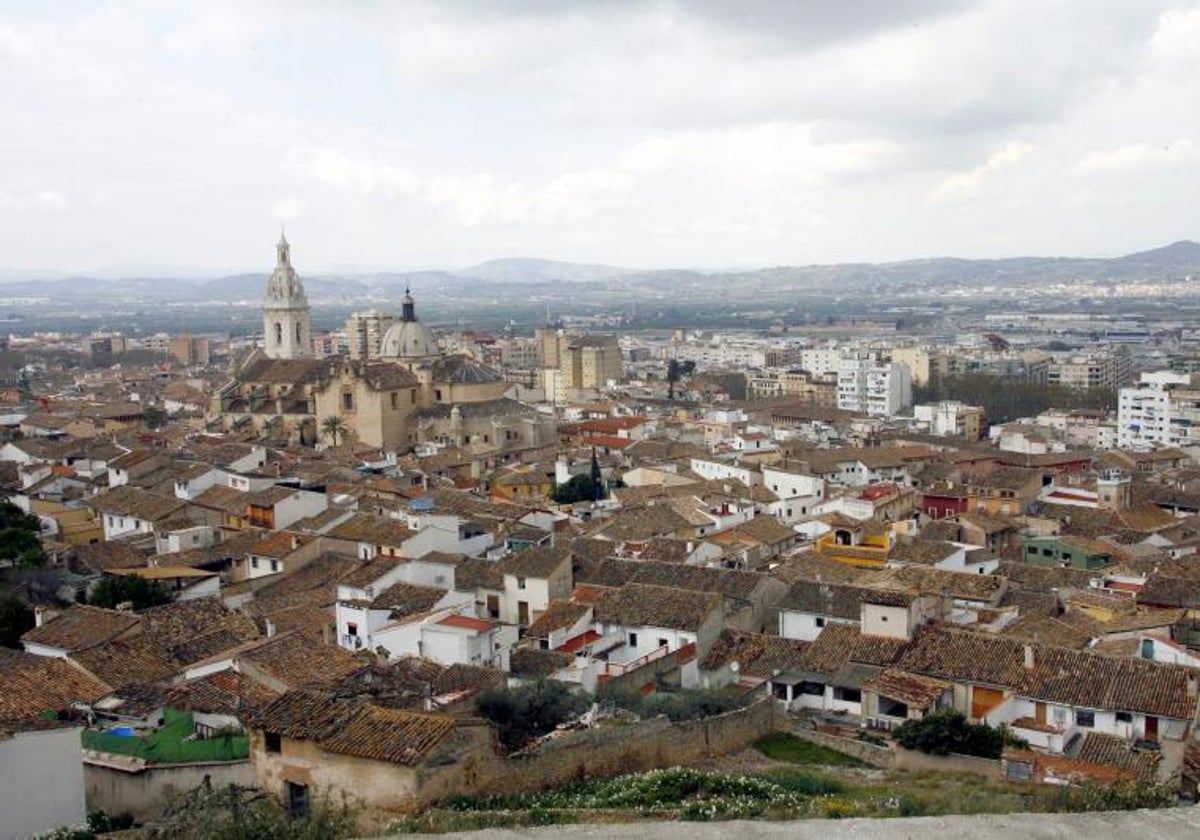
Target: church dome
(407, 340)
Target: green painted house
(1066, 550)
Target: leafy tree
(15, 619)
(685, 704)
(334, 427)
(948, 731)
(527, 712)
(20, 539)
(23, 547)
(581, 488)
(119, 589)
(1007, 398)
(154, 417)
(676, 371)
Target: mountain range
(1172, 262)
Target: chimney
(39, 616)
(1191, 686)
(1028, 657)
(270, 625)
(295, 542)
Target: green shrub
(527, 712)
(118, 589)
(948, 731)
(681, 705)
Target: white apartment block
(951, 418)
(867, 385)
(823, 361)
(724, 354)
(1162, 410)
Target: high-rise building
(573, 363)
(365, 332)
(867, 385)
(1162, 410)
(1105, 370)
(287, 325)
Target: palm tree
(334, 427)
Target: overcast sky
(150, 138)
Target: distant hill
(522, 275)
(527, 269)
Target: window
(437, 395)
(254, 562)
(1085, 718)
(633, 639)
(820, 621)
(1124, 717)
(662, 643)
(274, 565)
(272, 742)
(278, 333)
(395, 400)
(520, 583)
(347, 401)
(352, 629)
(298, 339)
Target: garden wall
(140, 792)
(990, 768)
(872, 754)
(614, 750)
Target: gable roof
(33, 685)
(355, 727)
(536, 561)
(80, 627)
(758, 655)
(301, 658)
(641, 605)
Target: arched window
(298, 339)
(278, 333)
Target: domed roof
(462, 369)
(407, 340)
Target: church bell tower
(287, 326)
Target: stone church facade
(412, 394)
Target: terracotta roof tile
(80, 627)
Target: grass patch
(784, 746)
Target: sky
(175, 139)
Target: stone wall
(611, 751)
(990, 768)
(896, 757)
(872, 754)
(141, 792)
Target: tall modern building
(867, 385)
(1162, 410)
(365, 332)
(287, 324)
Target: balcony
(1046, 736)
